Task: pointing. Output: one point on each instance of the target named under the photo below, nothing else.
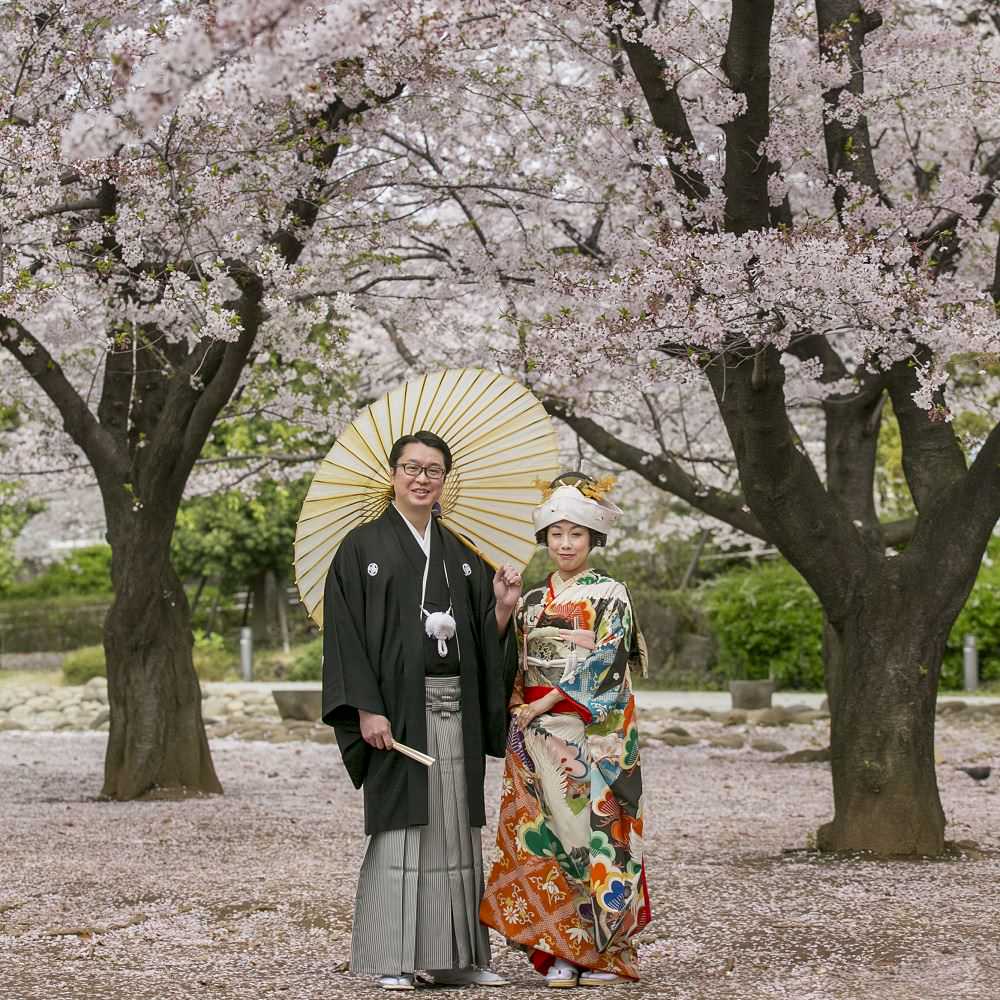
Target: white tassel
(569, 672)
(441, 626)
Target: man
(416, 649)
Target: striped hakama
(417, 905)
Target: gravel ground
(248, 896)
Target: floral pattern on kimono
(569, 879)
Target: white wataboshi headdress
(568, 503)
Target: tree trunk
(264, 609)
(888, 617)
(882, 670)
(157, 738)
(158, 402)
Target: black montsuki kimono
(374, 660)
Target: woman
(569, 884)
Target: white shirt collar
(424, 540)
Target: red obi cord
(565, 706)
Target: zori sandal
(468, 977)
(591, 978)
(562, 975)
(396, 983)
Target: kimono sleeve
(350, 682)
(498, 662)
(516, 696)
(349, 679)
(599, 679)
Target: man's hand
(507, 588)
(375, 730)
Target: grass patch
(24, 678)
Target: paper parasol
(501, 440)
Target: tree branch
(190, 410)
(995, 286)
(954, 530)
(981, 485)
(221, 382)
(390, 327)
(815, 345)
(809, 526)
(304, 208)
(945, 232)
(853, 423)
(896, 534)
(109, 461)
(279, 457)
(933, 461)
(662, 472)
(453, 192)
(747, 65)
(664, 105)
(843, 25)
(586, 245)
(83, 205)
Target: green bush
(83, 664)
(14, 515)
(768, 623)
(307, 665)
(212, 661)
(54, 624)
(83, 571)
(233, 538)
(980, 617)
(682, 651)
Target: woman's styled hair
(428, 439)
(597, 538)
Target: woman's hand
(524, 715)
(375, 730)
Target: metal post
(286, 645)
(970, 663)
(246, 653)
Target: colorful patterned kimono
(569, 880)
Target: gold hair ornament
(543, 487)
(597, 490)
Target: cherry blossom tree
(872, 268)
(716, 236)
(165, 186)
(769, 220)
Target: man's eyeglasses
(413, 469)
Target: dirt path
(248, 896)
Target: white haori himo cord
(440, 625)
